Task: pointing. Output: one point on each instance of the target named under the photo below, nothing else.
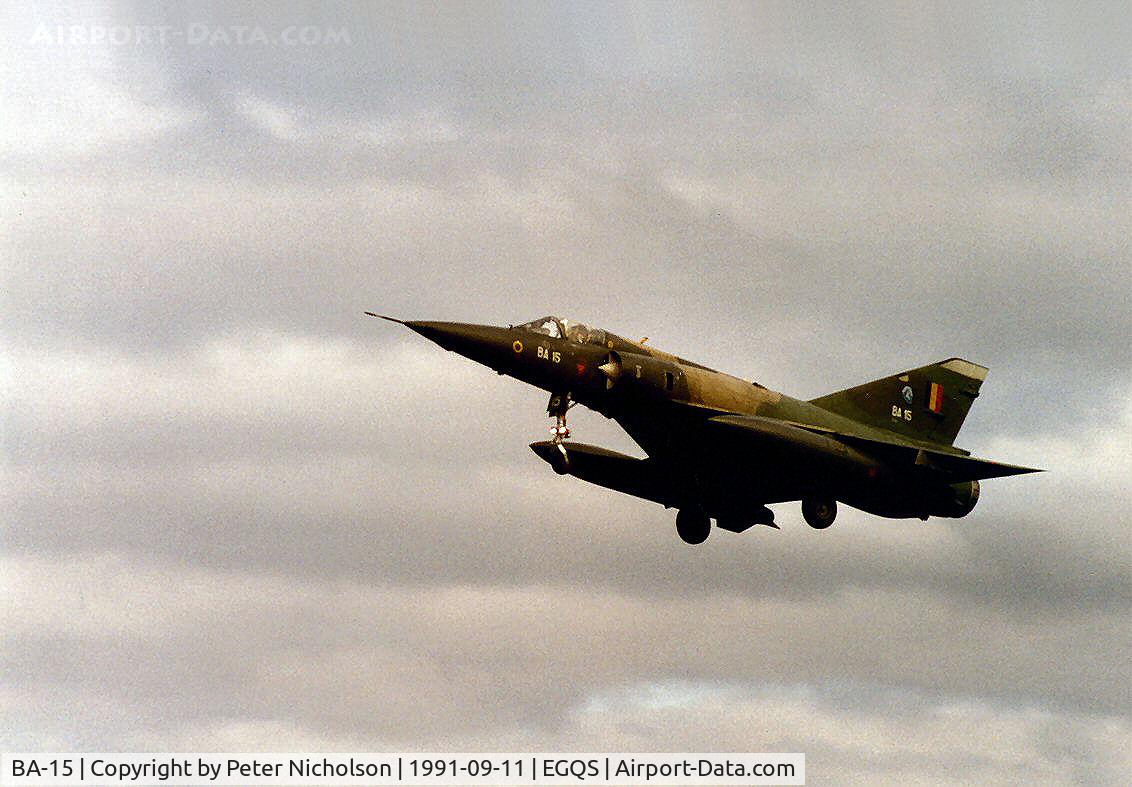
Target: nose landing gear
(556, 408)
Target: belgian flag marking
(935, 398)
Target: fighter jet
(724, 448)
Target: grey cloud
(449, 665)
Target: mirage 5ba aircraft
(724, 448)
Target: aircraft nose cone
(486, 344)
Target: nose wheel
(556, 408)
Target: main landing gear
(556, 408)
(693, 525)
(819, 512)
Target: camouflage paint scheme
(723, 448)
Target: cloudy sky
(237, 515)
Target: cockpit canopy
(547, 326)
(556, 328)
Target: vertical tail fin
(928, 403)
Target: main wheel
(693, 525)
(819, 512)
